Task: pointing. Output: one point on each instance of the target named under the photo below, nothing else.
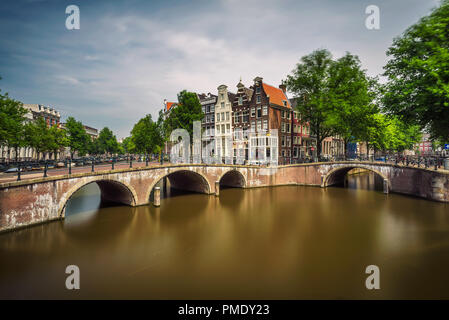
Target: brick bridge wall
(37, 200)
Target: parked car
(15, 169)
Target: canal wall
(32, 201)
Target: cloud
(125, 59)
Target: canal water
(289, 242)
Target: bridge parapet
(32, 201)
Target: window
(283, 141)
(212, 118)
(204, 109)
(227, 116)
(228, 128)
(237, 117)
(253, 125)
(253, 112)
(265, 110)
(222, 104)
(288, 127)
(258, 90)
(259, 112)
(282, 127)
(218, 117)
(288, 115)
(245, 116)
(282, 114)
(222, 116)
(218, 128)
(207, 118)
(222, 96)
(259, 125)
(265, 124)
(240, 101)
(223, 129)
(285, 103)
(289, 142)
(258, 99)
(212, 108)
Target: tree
(351, 95)
(184, 114)
(146, 135)
(78, 139)
(58, 140)
(309, 83)
(106, 142)
(12, 120)
(389, 133)
(418, 74)
(38, 136)
(128, 145)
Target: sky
(128, 56)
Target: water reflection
(280, 243)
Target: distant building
(303, 142)
(240, 119)
(424, 147)
(270, 109)
(92, 132)
(52, 118)
(50, 115)
(208, 102)
(223, 122)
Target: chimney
(283, 87)
(258, 79)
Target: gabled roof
(168, 105)
(248, 92)
(276, 95)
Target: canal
(289, 242)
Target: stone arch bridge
(33, 201)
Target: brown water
(265, 243)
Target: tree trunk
(17, 153)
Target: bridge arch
(232, 178)
(183, 179)
(111, 189)
(337, 175)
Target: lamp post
(45, 169)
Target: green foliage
(309, 83)
(335, 97)
(184, 114)
(127, 145)
(418, 73)
(146, 136)
(351, 98)
(106, 142)
(12, 121)
(78, 139)
(389, 133)
(58, 139)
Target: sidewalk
(64, 171)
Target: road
(8, 177)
